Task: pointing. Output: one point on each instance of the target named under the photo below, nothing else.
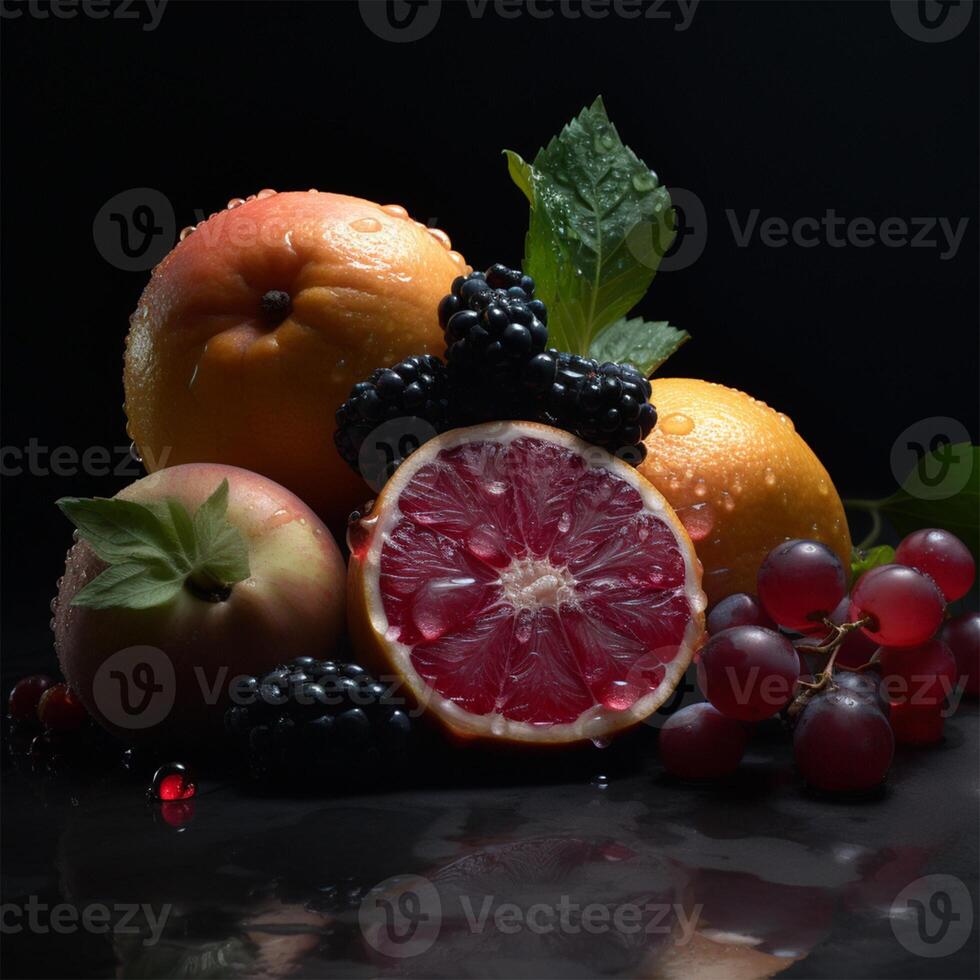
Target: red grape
(25, 695)
(962, 636)
(943, 557)
(842, 743)
(904, 605)
(917, 724)
(699, 742)
(922, 675)
(748, 672)
(60, 711)
(799, 582)
(738, 609)
(867, 685)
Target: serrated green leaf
(643, 343)
(918, 503)
(133, 585)
(600, 223)
(121, 530)
(863, 561)
(222, 551)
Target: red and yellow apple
(168, 668)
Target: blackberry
(606, 404)
(496, 335)
(314, 718)
(415, 387)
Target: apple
(185, 581)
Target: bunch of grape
(888, 663)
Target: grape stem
(872, 508)
(830, 648)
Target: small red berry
(60, 711)
(173, 781)
(26, 693)
(917, 724)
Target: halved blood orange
(525, 585)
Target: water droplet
(726, 501)
(620, 695)
(701, 487)
(184, 232)
(786, 420)
(395, 210)
(366, 225)
(524, 626)
(601, 782)
(770, 477)
(698, 520)
(135, 453)
(269, 192)
(441, 237)
(564, 522)
(601, 742)
(677, 424)
(822, 488)
(645, 182)
(496, 487)
(235, 202)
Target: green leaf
(921, 503)
(222, 551)
(154, 549)
(644, 344)
(862, 561)
(121, 530)
(133, 585)
(600, 224)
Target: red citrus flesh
(529, 579)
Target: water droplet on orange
(366, 225)
(677, 424)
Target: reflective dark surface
(516, 876)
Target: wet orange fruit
(740, 478)
(252, 330)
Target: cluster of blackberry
(499, 366)
(318, 717)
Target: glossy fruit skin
(699, 742)
(842, 744)
(905, 606)
(943, 557)
(210, 376)
(739, 609)
(748, 672)
(867, 685)
(754, 482)
(923, 676)
(60, 711)
(25, 696)
(799, 583)
(293, 600)
(962, 635)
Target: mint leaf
(121, 530)
(916, 505)
(644, 344)
(863, 561)
(600, 223)
(222, 549)
(135, 585)
(153, 550)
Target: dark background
(791, 108)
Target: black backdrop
(789, 108)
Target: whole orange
(740, 478)
(252, 330)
